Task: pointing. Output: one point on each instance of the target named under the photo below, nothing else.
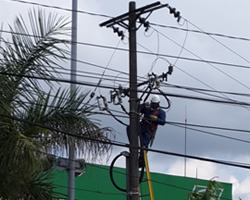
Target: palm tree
(34, 122)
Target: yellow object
(150, 188)
(153, 117)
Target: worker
(152, 116)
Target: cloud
(194, 168)
(203, 170)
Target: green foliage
(33, 121)
(210, 192)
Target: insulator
(115, 29)
(92, 94)
(177, 14)
(146, 25)
(120, 33)
(171, 10)
(170, 69)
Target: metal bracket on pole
(125, 17)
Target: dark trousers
(145, 136)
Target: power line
(192, 75)
(123, 173)
(228, 48)
(236, 80)
(93, 191)
(174, 123)
(232, 102)
(99, 67)
(94, 75)
(168, 122)
(211, 64)
(201, 32)
(168, 56)
(151, 23)
(178, 124)
(149, 53)
(208, 127)
(211, 133)
(153, 180)
(120, 144)
(210, 93)
(106, 169)
(125, 79)
(61, 8)
(205, 90)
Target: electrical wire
(61, 8)
(168, 56)
(93, 191)
(93, 75)
(195, 77)
(120, 144)
(185, 71)
(150, 53)
(201, 32)
(179, 124)
(183, 45)
(218, 69)
(152, 180)
(229, 102)
(210, 65)
(219, 42)
(204, 90)
(110, 59)
(188, 88)
(171, 123)
(151, 23)
(211, 133)
(106, 169)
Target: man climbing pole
(152, 116)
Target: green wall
(95, 184)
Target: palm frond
(22, 59)
(33, 55)
(67, 112)
(36, 186)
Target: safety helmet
(155, 99)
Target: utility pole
(133, 118)
(132, 16)
(71, 161)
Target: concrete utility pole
(132, 16)
(133, 118)
(71, 161)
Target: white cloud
(194, 169)
(241, 189)
(205, 170)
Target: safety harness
(153, 129)
(153, 126)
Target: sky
(208, 49)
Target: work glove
(153, 117)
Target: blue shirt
(147, 110)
